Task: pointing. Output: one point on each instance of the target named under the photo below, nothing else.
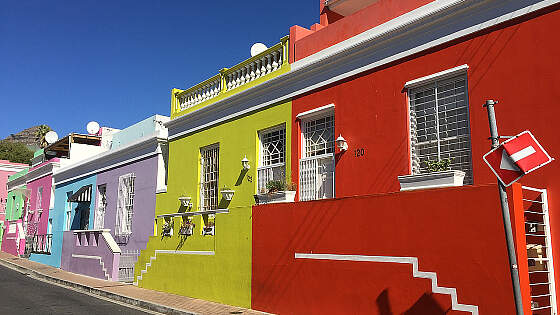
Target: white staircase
(452, 292)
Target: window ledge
(315, 112)
(193, 213)
(436, 76)
(432, 180)
(161, 190)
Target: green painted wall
(14, 209)
(224, 277)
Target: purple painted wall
(83, 252)
(144, 201)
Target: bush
(15, 152)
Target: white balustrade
(257, 67)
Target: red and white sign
(516, 157)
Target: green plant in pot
(439, 165)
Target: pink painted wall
(36, 219)
(7, 168)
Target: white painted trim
(455, 305)
(315, 112)
(113, 246)
(5, 167)
(107, 154)
(162, 190)
(86, 256)
(185, 252)
(437, 76)
(318, 59)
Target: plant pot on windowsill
(185, 201)
(227, 193)
(275, 197)
(439, 179)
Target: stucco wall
(144, 200)
(225, 274)
(456, 233)
(58, 214)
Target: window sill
(161, 190)
(442, 179)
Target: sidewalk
(162, 302)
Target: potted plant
(277, 191)
(186, 227)
(185, 201)
(227, 193)
(439, 175)
(166, 228)
(208, 229)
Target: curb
(151, 306)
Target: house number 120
(359, 152)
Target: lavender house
(118, 189)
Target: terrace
(229, 81)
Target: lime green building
(225, 146)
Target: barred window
(316, 167)
(209, 177)
(439, 125)
(99, 220)
(272, 158)
(318, 136)
(125, 205)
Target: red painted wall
(455, 232)
(307, 43)
(515, 63)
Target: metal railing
(539, 251)
(269, 173)
(42, 244)
(316, 177)
(258, 66)
(126, 265)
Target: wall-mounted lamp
(341, 143)
(245, 163)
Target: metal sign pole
(505, 213)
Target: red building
(403, 82)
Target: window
(209, 177)
(316, 167)
(439, 125)
(49, 227)
(99, 220)
(125, 205)
(272, 157)
(68, 222)
(39, 199)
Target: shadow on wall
(426, 304)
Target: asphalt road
(21, 294)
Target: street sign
(516, 157)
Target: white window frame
(68, 218)
(316, 171)
(462, 162)
(39, 199)
(210, 187)
(265, 170)
(101, 207)
(125, 205)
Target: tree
(15, 152)
(40, 135)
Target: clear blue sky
(64, 63)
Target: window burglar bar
(42, 244)
(539, 253)
(439, 125)
(125, 205)
(272, 157)
(316, 175)
(101, 206)
(209, 177)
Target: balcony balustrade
(257, 69)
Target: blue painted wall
(147, 127)
(58, 214)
